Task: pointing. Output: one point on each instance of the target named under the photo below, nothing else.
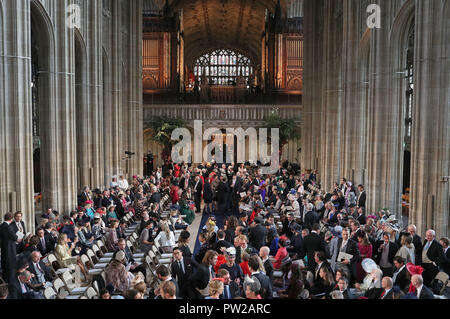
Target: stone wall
(354, 102)
(82, 98)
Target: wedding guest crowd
(264, 237)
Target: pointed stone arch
(82, 110)
(43, 56)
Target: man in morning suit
(181, 270)
(432, 257)
(266, 291)
(361, 201)
(348, 246)
(312, 243)
(268, 266)
(19, 226)
(8, 239)
(230, 288)
(257, 234)
(42, 273)
(422, 292)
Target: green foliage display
(161, 131)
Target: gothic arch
(81, 109)
(398, 44)
(43, 54)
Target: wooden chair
(59, 287)
(71, 285)
(50, 293)
(91, 293)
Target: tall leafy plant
(161, 132)
(288, 128)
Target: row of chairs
(95, 260)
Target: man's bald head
(36, 256)
(264, 252)
(417, 280)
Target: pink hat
(413, 269)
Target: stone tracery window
(409, 86)
(223, 67)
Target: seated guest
(422, 292)
(215, 288)
(323, 287)
(42, 273)
(295, 283)
(141, 287)
(132, 294)
(63, 253)
(116, 273)
(131, 265)
(343, 288)
(281, 253)
(165, 238)
(146, 238)
(336, 294)
(68, 228)
(20, 287)
(104, 294)
(31, 246)
(446, 264)
(97, 229)
(4, 291)
(111, 236)
(85, 238)
(43, 246)
(400, 276)
(111, 214)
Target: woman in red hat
(413, 270)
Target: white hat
(231, 251)
(291, 197)
(368, 265)
(120, 255)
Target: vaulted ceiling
(234, 24)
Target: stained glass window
(222, 67)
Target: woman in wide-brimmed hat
(413, 270)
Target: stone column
(63, 157)
(95, 58)
(332, 94)
(116, 87)
(135, 127)
(354, 88)
(16, 143)
(385, 114)
(312, 98)
(431, 117)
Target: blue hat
(293, 191)
(175, 207)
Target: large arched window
(409, 86)
(222, 67)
